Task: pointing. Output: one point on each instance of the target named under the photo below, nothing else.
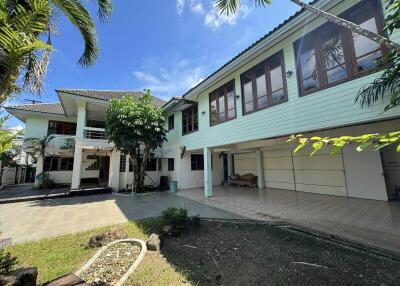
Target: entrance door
(225, 167)
(391, 169)
(104, 170)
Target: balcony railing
(94, 133)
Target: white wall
(278, 169)
(245, 163)
(61, 177)
(364, 174)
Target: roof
(110, 94)
(252, 45)
(48, 108)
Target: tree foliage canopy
(136, 128)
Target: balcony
(94, 133)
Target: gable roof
(48, 108)
(107, 95)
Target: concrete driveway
(47, 218)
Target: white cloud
(213, 19)
(167, 78)
(197, 7)
(180, 5)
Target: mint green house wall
(321, 110)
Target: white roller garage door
(320, 173)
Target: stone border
(131, 269)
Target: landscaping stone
(154, 242)
(106, 238)
(112, 264)
(20, 277)
(69, 279)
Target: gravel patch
(112, 264)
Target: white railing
(94, 133)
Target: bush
(7, 262)
(175, 217)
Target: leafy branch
(376, 141)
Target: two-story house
(302, 77)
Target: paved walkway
(46, 218)
(25, 192)
(372, 222)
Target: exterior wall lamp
(237, 96)
(203, 113)
(289, 74)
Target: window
(331, 54)
(264, 85)
(96, 124)
(223, 104)
(58, 164)
(159, 164)
(171, 164)
(122, 163)
(189, 120)
(152, 165)
(171, 122)
(64, 128)
(197, 162)
(67, 164)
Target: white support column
(126, 175)
(230, 167)
(113, 179)
(77, 169)
(208, 192)
(260, 169)
(81, 119)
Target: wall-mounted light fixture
(289, 74)
(237, 96)
(203, 113)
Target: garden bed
(222, 253)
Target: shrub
(174, 216)
(7, 262)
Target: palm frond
(105, 9)
(387, 85)
(233, 6)
(81, 19)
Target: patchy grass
(56, 256)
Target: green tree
(136, 128)
(26, 27)
(7, 136)
(39, 145)
(232, 7)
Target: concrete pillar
(260, 169)
(126, 175)
(77, 169)
(81, 119)
(113, 179)
(207, 173)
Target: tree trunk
(349, 25)
(143, 167)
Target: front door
(104, 170)
(225, 167)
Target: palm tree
(40, 144)
(232, 6)
(24, 55)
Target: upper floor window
(171, 122)
(171, 164)
(64, 128)
(96, 124)
(331, 54)
(190, 120)
(223, 104)
(264, 85)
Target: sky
(167, 46)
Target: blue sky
(164, 45)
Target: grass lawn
(56, 256)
